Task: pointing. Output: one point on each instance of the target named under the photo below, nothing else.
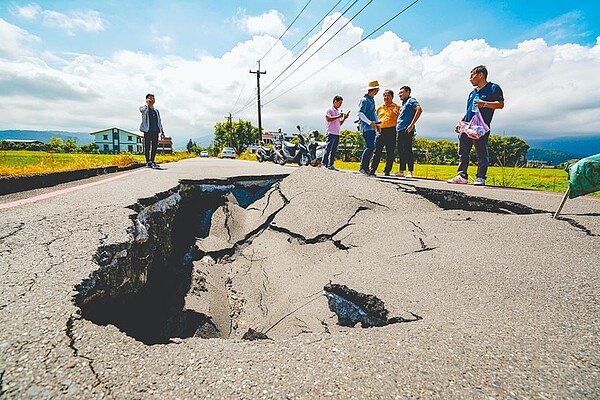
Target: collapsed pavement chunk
(352, 307)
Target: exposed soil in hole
(248, 257)
(141, 285)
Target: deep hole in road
(141, 284)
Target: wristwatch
(485, 104)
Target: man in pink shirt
(334, 119)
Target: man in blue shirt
(486, 96)
(410, 112)
(368, 125)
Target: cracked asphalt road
(510, 302)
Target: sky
(84, 66)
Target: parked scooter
(264, 153)
(296, 153)
(317, 149)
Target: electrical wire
(312, 29)
(345, 52)
(316, 40)
(250, 101)
(316, 51)
(238, 98)
(287, 29)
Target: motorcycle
(296, 153)
(264, 153)
(317, 150)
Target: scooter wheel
(304, 160)
(260, 159)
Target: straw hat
(372, 85)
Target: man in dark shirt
(486, 96)
(151, 126)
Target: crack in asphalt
(323, 237)
(578, 226)
(16, 230)
(247, 240)
(89, 361)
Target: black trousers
(386, 139)
(150, 145)
(405, 152)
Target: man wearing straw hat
(369, 124)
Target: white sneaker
(409, 175)
(458, 179)
(479, 182)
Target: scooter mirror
(298, 127)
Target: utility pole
(230, 128)
(258, 72)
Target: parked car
(227, 152)
(204, 153)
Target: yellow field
(21, 162)
(554, 180)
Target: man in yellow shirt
(387, 113)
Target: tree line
(504, 150)
(55, 145)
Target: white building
(116, 140)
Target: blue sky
(210, 27)
(96, 60)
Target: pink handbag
(475, 128)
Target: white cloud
(14, 40)
(30, 11)
(89, 21)
(564, 27)
(271, 23)
(549, 90)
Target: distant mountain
(583, 146)
(44, 136)
(179, 143)
(553, 157)
(201, 141)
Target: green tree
(351, 145)
(238, 135)
(55, 144)
(91, 148)
(507, 151)
(435, 151)
(70, 146)
(191, 146)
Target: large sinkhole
(208, 259)
(140, 285)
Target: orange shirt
(388, 115)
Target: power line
(316, 51)
(250, 99)
(345, 52)
(287, 29)
(316, 40)
(313, 28)
(247, 103)
(238, 98)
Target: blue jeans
(465, 144)
(330, 149)
(365, 159)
